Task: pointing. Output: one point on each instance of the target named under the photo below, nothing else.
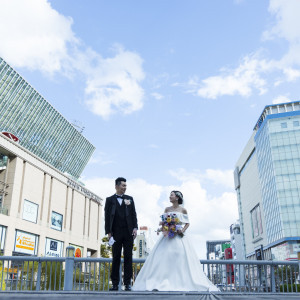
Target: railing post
(39, 274)
(273, 284)
(69, 268)
(120, 275)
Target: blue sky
(168, 91)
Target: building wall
(267, 174)
(33, 180)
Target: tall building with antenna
(39, 127)
(43, 205)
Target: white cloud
(255, 72)
(101, 159)
(287, 23)
(240, 81)
(210, 216)
(35, 36)
(218, 177)
(281, 99)
(113, 84)
(157, 96)
(153, 146)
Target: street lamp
(70, 251)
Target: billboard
(56, 221)
(78, 250)
(26, 243)
(54, 248)
(30, 211)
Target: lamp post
(69, 267)
(70, 251)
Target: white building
(42, 211)
(267, 182)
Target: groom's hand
(134, 233)
(109, 236)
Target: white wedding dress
(173, 265)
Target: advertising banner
(26, 243)
(78, 250)
(30, 211)
(2, 237)
(56, 221)
(54, 248)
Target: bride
(173, 264)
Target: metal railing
(20, 273)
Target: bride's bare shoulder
(184, 211)
(167, 209)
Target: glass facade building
(39, 127)
(275, 171)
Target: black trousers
(123, 239)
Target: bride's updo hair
(179, 195)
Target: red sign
(10, 136)
(143, 228)
(229, 268)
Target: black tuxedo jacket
(110, 209)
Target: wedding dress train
(173, 265)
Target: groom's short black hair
(119, 180)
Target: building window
(30, 211)
(256, 221)
(56, 221)
(296, 123)
(283, 125)
(2, 238)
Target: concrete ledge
(145, 295)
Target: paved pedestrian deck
(144, 296)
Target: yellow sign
(25, 242)
(10, 270)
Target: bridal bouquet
(170, 225)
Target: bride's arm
(186, 226)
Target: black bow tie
(122, 197)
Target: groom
(121, 224)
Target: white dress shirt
(120, 200)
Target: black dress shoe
(127, 287)
(114, 288)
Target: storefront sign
(26, 243)
(30, 211)
(54, 248)
(83, 190)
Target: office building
(267, 182)
(43, 206)
(38, 126)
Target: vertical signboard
(2, 238)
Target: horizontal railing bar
(32, 258)
(249, 262)
(138, 260)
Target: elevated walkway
(143, 296)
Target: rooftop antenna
(78, 125)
